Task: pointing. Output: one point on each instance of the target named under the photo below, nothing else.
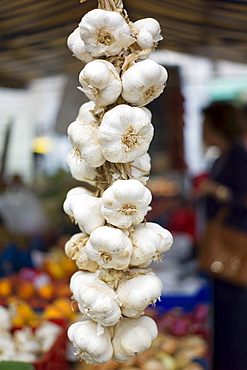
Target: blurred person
(224, 127)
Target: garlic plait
(132, 337)
(109, 247)
(105, 33)
(125, 202)
(125, 133)
(90, 346)
(138, 292)
(143, 82)
(100, 82)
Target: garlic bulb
(125, 203)
(165, 238)
(100, 82)
(77, 46)
(98, 302)
(132, 337)
(145, 244)
(137, 293)
(79, 169)
(84, 137)
(75, 250)
(147, 32)
(90, 346)
(79, 278)
(25, 341)
(86, 112)
(109, 247)
(141, 167)
(125, 133)
(143, 82)
(105, 33)
(5, 318)
(85, 210)
(72, 192)
(7, 351)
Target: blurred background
(204, 49)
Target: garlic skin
(90, 346)
(137, 293)
(85, 210)
(132, 337)
(145, 244)
(84, 137)
(77, 46)
(75, 250)
(125, 203)
(125, 133)
(79, 168)
(147, 32)
(98, 302)
(105, 33)
(143, 82)
(100, 82)
(141, 167)
(109, 247)
(86, 112)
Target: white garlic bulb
(145, 244)
(165, 238)
(86, 112)
(109, 247)
(100, 82)
(141, 167)
(72, 192)
(85, 210)
(84, 137)
(75, 250)
(132, 337)
(98, 302)
(137, 293)
(147, 32)
(125, 133)
(143, 82)
(25, 341)
(90, 346)
(125, 203)
(79, 169)
(105, 33)
(80, 278)
(77, 46)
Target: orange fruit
(5, 287)
(52, 312)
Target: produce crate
(55, 358)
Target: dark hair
(226, 118)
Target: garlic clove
(77, 46)
(105, 33)
(132, 337)
(125, 203)
(125, 133)
(109, 247)
(84, 138)
(100, 82)
(143, 82)
(90, 346)
(79, 169)
(138, 292)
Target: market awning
(33, 33)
